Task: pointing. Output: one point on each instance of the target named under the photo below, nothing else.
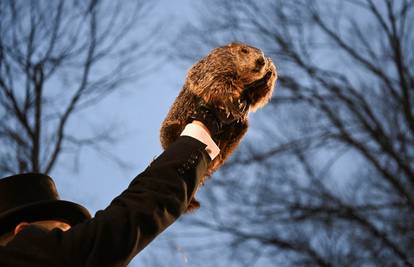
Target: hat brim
(60, 210)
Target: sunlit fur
(219, 79)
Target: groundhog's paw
(259, 92)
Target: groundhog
(222, 79)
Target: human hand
(216, 120)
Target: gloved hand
(218, 120)
(215, 119)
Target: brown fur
(220, 79)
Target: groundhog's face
(223, 75)
(250, 62)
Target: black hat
(33, 197)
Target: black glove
(218, 120)
(215, 119)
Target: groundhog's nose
(260, 62)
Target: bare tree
(325, 177)
(56, 59)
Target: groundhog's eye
(244, 50)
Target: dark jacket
(153, 200)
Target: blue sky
(138, 111)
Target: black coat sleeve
(153, 200)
